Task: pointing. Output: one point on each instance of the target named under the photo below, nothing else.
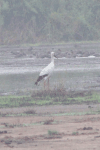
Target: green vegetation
(38, 21)
(52, 132)
(75, 133)
(52, 97)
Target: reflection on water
(73, 74)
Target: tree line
(49, 21)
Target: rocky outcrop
(43, 51)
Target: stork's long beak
(55, 56)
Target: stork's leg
(44, 84)
(48, 84)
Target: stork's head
(53, 55)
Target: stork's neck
(52, 58)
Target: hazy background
(49, 21)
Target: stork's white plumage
(47, 71)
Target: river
(17, 76)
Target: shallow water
(72, 73)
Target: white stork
(47, 71)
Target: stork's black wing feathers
(40, 78)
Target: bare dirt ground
(50, 132)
